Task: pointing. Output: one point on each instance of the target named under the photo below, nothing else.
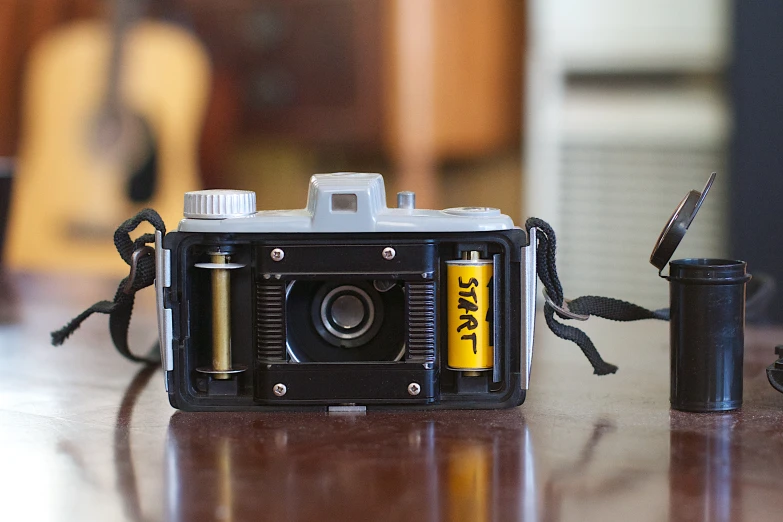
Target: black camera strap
(582, 307)
(140, 257)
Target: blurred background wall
(596, 115)
(627, 111)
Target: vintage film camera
(346, 304)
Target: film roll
(469, 304)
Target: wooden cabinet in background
(305, 70)
(423, 80)
(454, 69)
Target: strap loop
(564, 310)
(136, 253)
(582, 307)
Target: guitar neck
(124, 14)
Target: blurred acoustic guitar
(111, 122)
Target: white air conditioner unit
(608, 159)
(605, 35)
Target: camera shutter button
(219, 204)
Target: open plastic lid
(678, 224)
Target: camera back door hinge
(528, 279)
(163, 280)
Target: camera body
(344, 305)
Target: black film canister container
(707, 298)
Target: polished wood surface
(85, 435)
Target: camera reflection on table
(425, 465)
(357, 467)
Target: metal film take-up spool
(221, 315)
(220, 204)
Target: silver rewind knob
(219, 204)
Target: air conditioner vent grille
(615, 201)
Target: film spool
(222, 368)
(469, 304)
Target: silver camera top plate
(348, 202)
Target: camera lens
(347, 315)
(344, 321)
(347, 312)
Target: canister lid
(678, 224)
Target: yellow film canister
(469, 325)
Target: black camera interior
(345, 321)
(338, 325)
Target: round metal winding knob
(219, 204)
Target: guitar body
(70, 191)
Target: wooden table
(85, 435)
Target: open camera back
(345, 304)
